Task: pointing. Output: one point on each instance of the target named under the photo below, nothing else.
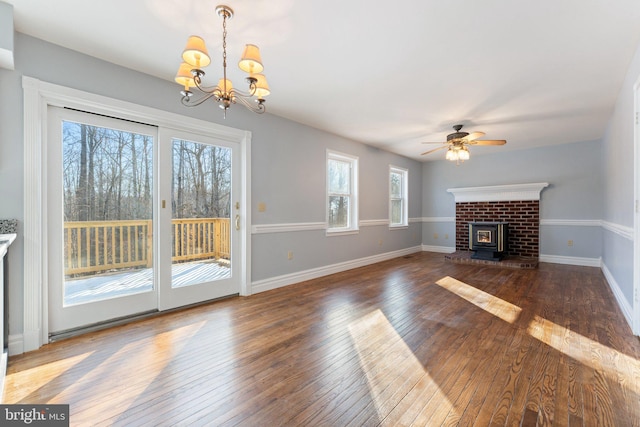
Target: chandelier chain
(224, 50)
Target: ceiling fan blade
(488, 142)
(474, 135)
(435, 149)
(433, 142)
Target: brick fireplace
(518, 205)
(522, 216)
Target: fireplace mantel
(498, 193)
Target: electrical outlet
(446, 237)
(262, 206)
(570, 243)
(435, 236)
(290, 255)
(380, 242)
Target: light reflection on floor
(496, 306)
(386, 361)
(136, 364)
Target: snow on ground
(104, 286)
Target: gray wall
(288, 161)
(574, 174)
(288, 176)
(618, 202)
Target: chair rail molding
(438, 219)
(620, 230)
(311, 226)
(286, 228)
(572, 222)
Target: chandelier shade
(225, 85)
(251, 62)
(184, 77)
(262, 87)
(195, 57)
(195, 53)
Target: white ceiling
(388, 74)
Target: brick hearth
(464, 257)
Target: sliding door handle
(238, 222)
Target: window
(342, 191)
(398, 216)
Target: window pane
(201, 213)
(396, 185)
(339, 177)
(338, 211)
(396, 212)
(107, 201)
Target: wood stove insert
(489, 240)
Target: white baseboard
(16, 344)
(438, 249)
(571, 260)
(314, 273)
(624, 305)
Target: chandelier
(195, 57)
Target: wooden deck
(410, 341)
(113, 285)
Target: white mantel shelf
(499, 193)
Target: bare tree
(108, 174)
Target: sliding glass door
(139, 219)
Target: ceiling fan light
(463, 154)
(195, 53)
(251, 62)
(451, 155)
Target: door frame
(37, 96)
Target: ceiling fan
(457, 144)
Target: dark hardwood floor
(411, 341)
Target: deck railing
(98, 246)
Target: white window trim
(353, 211)
(405, 197)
